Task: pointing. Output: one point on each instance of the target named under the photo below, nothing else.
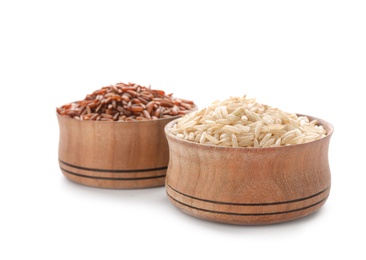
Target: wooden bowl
(114, 154)
(248, 186)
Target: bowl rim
(117, 122)
(324, 123)
(135, 121)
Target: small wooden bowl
(248, 186)
(114, 154)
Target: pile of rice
(242, 122)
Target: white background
(301, 56)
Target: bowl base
(114, 179)
(247, 214)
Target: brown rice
(126, 102)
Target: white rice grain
(242, 122)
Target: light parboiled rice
(242, 122)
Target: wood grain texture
(113, 154)
(248, 186)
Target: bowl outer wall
(249, 175)
(113, 145)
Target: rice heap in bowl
(242, 122)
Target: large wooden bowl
(113, 154)
(248, 186)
